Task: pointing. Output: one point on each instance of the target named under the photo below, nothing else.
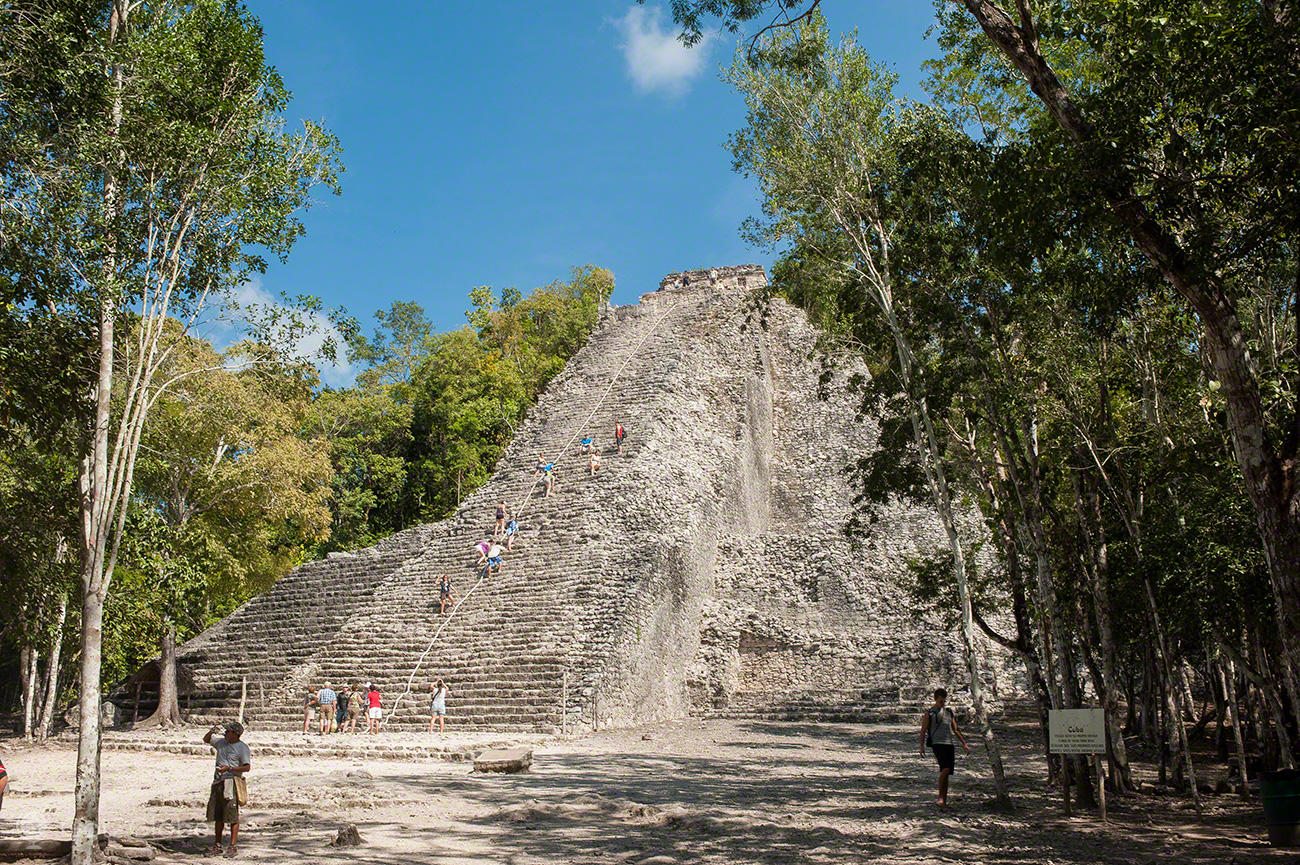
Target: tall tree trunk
(53, 669)
(1098, 572)
(96, 495)
(27, 672)
(1150, 711)
(928, 443)
(1230, 689)
(971, 649)
(1130, 697)
(1025, 638)
(1050, 614)
(1073, 690)
(1270, 698)
(1269, 476)
(1220, 710)
(85, 823)
(1028, 487)
(994, 485)
(1253, 697)
(1174, 716)
(1185, 690)
(95, 537)
(168, 713)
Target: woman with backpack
(938, 726)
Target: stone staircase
(675, 581)
(404, 746)
(367, 616)
(842, 706)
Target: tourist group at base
(338, 710)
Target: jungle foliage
(1074, 275)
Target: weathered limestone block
(132, 853)
(504, 760)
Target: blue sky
(504, 146)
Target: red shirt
(373, 697)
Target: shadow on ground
(854, 794)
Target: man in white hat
(233, 758)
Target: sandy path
(706, 792)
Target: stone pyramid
(702, 571)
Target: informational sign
(1076, 731)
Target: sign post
(1079, 731)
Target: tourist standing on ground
(512, 529)
(938, 727)
(444, 593)
(344, 704)
(619, 434)
(354, 702)
(233, 760)
(437, 704)
(374, 709)
(327, 699)
(501, 520)
(309, 710)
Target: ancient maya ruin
(705, 571)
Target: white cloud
(656, 60)
(229, 325)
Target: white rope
(519, 510)
(527, 496)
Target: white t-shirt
(229, 754)
(940, 726)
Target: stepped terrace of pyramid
(703, 571)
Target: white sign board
(1076, 731)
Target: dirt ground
(688, 792)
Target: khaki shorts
(221, 809)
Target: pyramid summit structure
(705, 570)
